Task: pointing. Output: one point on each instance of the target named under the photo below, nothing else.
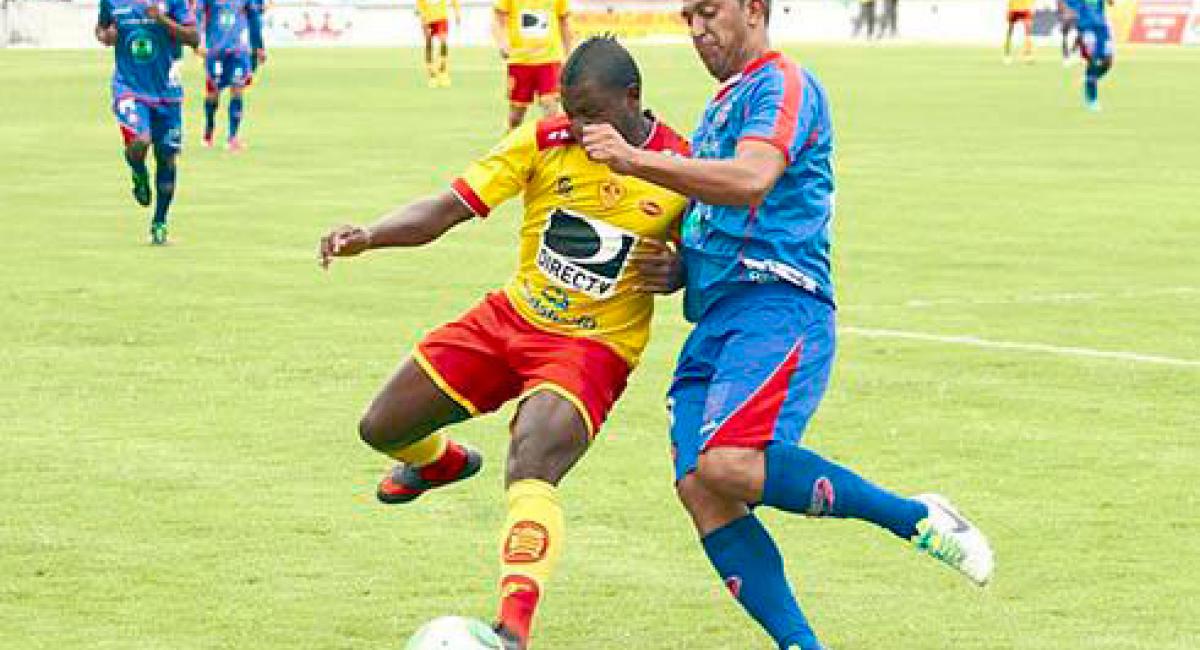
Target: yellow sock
(425, 452)
(532, 542)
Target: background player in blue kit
(233, 51)
(146, 90)
(1095, 38)
(755, 252)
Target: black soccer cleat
(141, 189)
(509, 639)
(404, 483)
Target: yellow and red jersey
(1020, 6)
(581, 224)
(534, 33)
(432, 11)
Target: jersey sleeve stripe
(469, 198)
(788, 115)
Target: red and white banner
(1161, 21)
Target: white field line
(1037, 298)
(977, 342)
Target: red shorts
(492, 355)
(438, 29)
(1020, 17)
(527, 81)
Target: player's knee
(138, 147)
(734, 472)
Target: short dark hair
(602, 60)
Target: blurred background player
(435, 24)
(1095, 39)
(889, 22)
(864, 23)
(233, 50)
(1019, 12)
(147, 93)
(758, 286)
(1068, 24)
(533, 37)
(561, 338)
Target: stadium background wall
(68, 23)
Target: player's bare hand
(343, 241)
(604, 145)
(660, 267)
(107, 35)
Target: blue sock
(164, 183)
(800, 481)
(235, 115)
(1091, 87)
(748, 561)
(210, 116)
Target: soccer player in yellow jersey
(435, 24)
(533, 37)
(1019, 11)
(561, 338)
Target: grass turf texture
(181, 468)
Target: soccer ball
(455, 633)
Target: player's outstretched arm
(500, 32)
(415, 224)
(743, 180)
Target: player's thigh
(409, 407)
(239, 69)
(521, 86)
(549, 435)
(166, 128)
(133, 118)
(772, 371)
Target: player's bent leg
(136, 151)
(237, 108)
(402, 422)
(443, 75)
(164, 185)
(549, 435)
(748, 562)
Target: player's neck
(755, 49)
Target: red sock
(519, 597)
(448, 466)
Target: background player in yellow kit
(435, 23)
(563, 335)
(533, 37)
(1019, 11)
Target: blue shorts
(1096, 41)
(751, 373)
(160, 121)
(228, 69)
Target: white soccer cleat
(948, 536)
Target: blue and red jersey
(1091, 12)
(231, 26)
(145, 51)
(786, 238)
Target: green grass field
(180, 462)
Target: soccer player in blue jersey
(233, 50)
(1095, 38)
(147, 94)
(755, 266)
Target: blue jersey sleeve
(105, 19)
(181, 12)
(775, 112)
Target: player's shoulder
(553, 132)
(666, 139)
